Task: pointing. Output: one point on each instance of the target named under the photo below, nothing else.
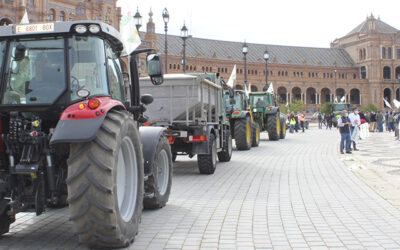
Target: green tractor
(244, 129)
(267, 115)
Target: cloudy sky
(310, 23)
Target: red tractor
(71, 134)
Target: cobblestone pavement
(295, 193)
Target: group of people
(297, 121)
(325, 119)
(349, 128)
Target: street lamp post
(184, 36)
(165, 16)
(245, 50)
(266, 57)
(138, 20)
(334, 95)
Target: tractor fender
(241, 115)
(203, 147)
(150, 136)
(272, 111)
(79, 123)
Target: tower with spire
(150, 37)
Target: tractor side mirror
(154, 67)
(231, 93)
(146, 99)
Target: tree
(296, 107)
(326, 108)
(369, 108)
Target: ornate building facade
(362, 67)
(12, 11)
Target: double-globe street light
(266, 57)
(184, 36)
(165, 16)
(245, 50)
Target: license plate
(34, 28)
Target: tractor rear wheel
(226, 153)
(255, 134)
(274, 126)
(105, 184)
(5, 219)
(243, 133)
(159, 184)
(208, 163)
(283, 129)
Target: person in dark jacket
(344, 125)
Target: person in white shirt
(355, 122)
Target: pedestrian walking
(292, 123)
(372, 120)
(379, 121)
(320, 118)
(391, 126)
(302, 120)
(344, 129)
(355, 120)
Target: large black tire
(208, 163)
(226, 153)
(243, 133)
(255, 134)
(174, 157)
(273, 126)
(282, 135)
(5, 219)
(159, 183)
(106, 199)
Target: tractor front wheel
(105, 184)
(274, 126)
(243, 133)
(283, 129)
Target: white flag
(335, 101)
(343, 99)
(247, 89)
(232, 78)
(387, 103)
(270, 89)
(396, 103)
(25, 19)
(129, 35)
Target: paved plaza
(294, 193)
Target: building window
(190, 67)
(241, 71)
(52, 15)
(170, 66)
(202, 68)
(383, 52)
(354, 76)
(178, 66)
(32, 3)
(390, 53)
(386, 72)
(363, 72)
(398, 53)
(194, 68)
(174, 66)
(62, 16)
(71, 17)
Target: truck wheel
(273, 127)
(208, 163)
(5, 219)
(226, 153)
(255, 134)
(243, 133)
(159, 184)
(105, 184)
(283, 129)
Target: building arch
(239, 87)
(253, 88)
(52, 15)
(387, 72)
(62, 16)
(325, 95)
(282, 95)
(5, 22)
(296, 94)
(387, 94)
(355, 96)
(311, 96)
(340, 93)
(397, 72)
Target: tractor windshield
(87, 66)
(35, 71)
(238, 104)
(258, 101)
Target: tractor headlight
(254, 110)
(80, 29)
(94, 28)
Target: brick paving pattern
(296, 193)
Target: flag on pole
(270, 89)
(129, 35)
(396, 103)
(343, 99)
(387, 103)
(336, 101)
(25, 19)
(232, 78)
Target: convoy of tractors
(74, 134)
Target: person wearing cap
(344, 125)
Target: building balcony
(391, 80)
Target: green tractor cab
(244, 129)
(267, 115)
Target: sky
(308, 23)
